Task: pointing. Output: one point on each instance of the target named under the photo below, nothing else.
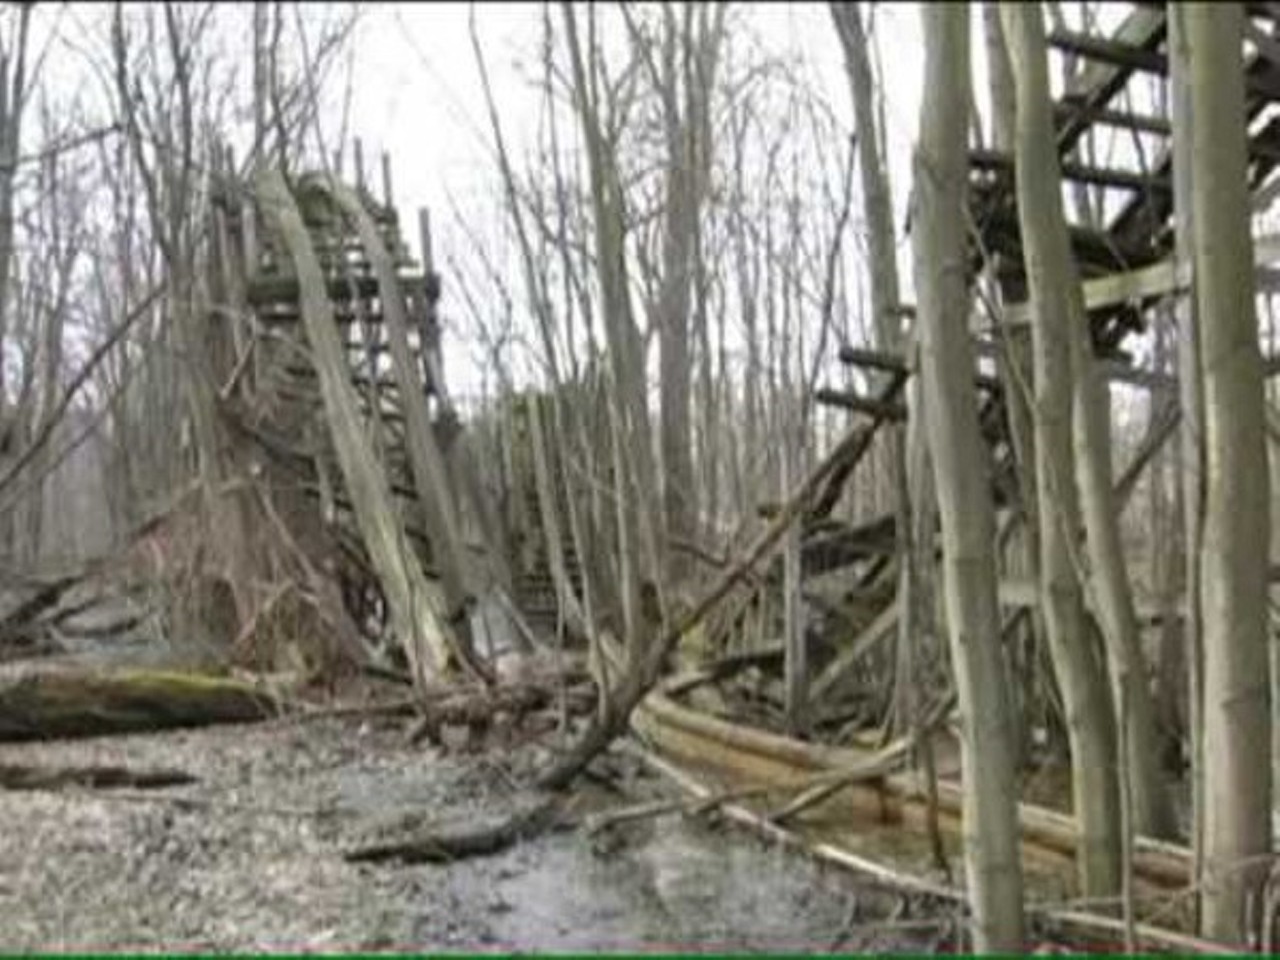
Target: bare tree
(1053, 277)
(13, 101)
(1233, 584)
(992, 853)
(1079, 665)
(685, 79)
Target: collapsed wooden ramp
(342, 395)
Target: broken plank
(864, 642)
(1147, 283)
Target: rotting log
(60, 703)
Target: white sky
(417, 95)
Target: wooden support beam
(412, 603)
(1075, 111)
(893, 410)
(890, 362)
(1112, 369)
(876, 359)
(1099, 176)
(1107, 50)
(267, 289)
(1096, 251)
(1152, 282)
(1095, 85)
(859, 443)
(1259, 80)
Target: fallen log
(444, 846)
(48, 704)
(21, 776)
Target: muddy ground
(250, 857)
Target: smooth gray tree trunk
(1233, 585)
(992, 851)
(1078, 661)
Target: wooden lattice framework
(1126, 262)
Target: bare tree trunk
(545, 480)
(1014, 364)
(688, 170)
(794, 641)
(992, 852)
(636, 473)
(1191, 461)
(884, 295)
(1080, 667)
(1233, 586)
(12, 100)
(1052, 276)
(877, 197)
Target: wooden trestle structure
(1126, 262)
(289, 377)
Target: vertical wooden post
(796, 650)
(431, 357)
(387, 197)
(424, 234)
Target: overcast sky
(418, 96)
(418, 91)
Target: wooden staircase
(535, 586)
